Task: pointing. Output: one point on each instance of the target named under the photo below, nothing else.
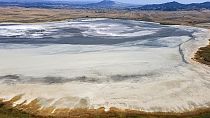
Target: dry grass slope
(33, 110)
(203, 55)
(34, 15)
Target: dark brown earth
(33, 110)
(203, 55)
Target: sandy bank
(34, 110)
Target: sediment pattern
(103, 63)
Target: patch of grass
(203, 55)
(31, 111)
(7, 111)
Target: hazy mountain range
(109, 4)
(174, 6)
(105, 4)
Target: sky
(160, 1)
(142, 2)
(149, 1)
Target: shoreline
(34, 110)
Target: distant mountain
(107, 4)
(175, 6)
(43, 3)
(205, 5)
(170, 6)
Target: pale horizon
(142, 2)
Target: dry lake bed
(93, 63)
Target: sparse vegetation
(32, 110)
(34, 15)
(203, 55)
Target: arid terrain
(203, 55)
(35, 15)
(31, 110)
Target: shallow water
(104, 62)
